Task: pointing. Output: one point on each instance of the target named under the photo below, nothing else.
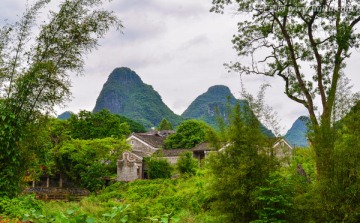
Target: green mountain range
(296, 135)
(65, 115)
(215, 102)
(124, 93)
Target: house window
(132, 142)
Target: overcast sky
(176, 46)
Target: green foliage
(345, 185)
(165, 218)
(69, 215)
(188, 134)
(158, 168)
(238, 169)
(186, 164)
(134, 126)
(163, 199)
(11, 157)
(301, 186)
(58, 130)
(115, 215)
(34, 70)
(17, 207)
(88, 125)
(37, 145)
(160, 200)
(133, 99)
(274, 200)
(141, 201)
(85, 162)
(165, 125)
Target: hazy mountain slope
(296, 135)
(124, 93)
(65, 115)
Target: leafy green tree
(165, 125)
(188, 134)
(158, 168)
(34, 71)
(186, 164)
(37, 147)
(85, 162)
(88, 125)
(238, 168)
(134, 126)
(306, 44)
(274, 200)
(346, 183)
(58, 130)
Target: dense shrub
(158, 168)
(186, 164)
(18, 206)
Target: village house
(283, 151)
(131, 165)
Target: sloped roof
(140, 153)
(155, 140)
(204, 146)
(282, 140)
(171, 152)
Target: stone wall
(172, 159)
(129, 167)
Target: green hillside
(204, 106)
(216, 100)
(124, 93)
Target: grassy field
(161, 200)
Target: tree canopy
(87, 125)
(34, 70)
(165, 125)
(85, 162)
(188, 134)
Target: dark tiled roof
(171, 152)
(204, 146)
(140, 153)
(152, 139)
